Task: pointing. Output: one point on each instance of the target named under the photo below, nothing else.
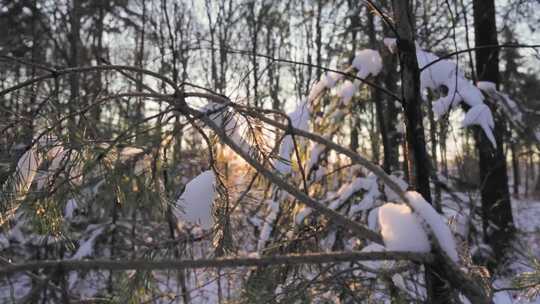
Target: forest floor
(526, 214)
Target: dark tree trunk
(496, 208)
(419, 169)
(418, 160)
(254, 25)
(385, 106)
(515, 168)
(74, 86)
(355, 25)
(377, 96)
(435, 165)
(139, 62)
(99, 55)
(391, 152)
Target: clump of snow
(367, 62)
(86, 247)
(445, 73)
(62, 159)
(27, 167)
(398, 179)
(59, 157)
(347, 91)
(317, 89)
(224, 117)
(345, 192)
(27, 173)
(331, 78)
(348, 190)
(391, 44)
(70, 208)
(436, 223)
(509, 106)
(401, 229)
(481, 115)
(300, 120)
(327, 80)
(370, 184)
(195, 205)
(486, 86)
(458, 90)
(300, 116)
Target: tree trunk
(355, 24)
(385, 106)
(496, 208)
(377, 97)
(139, 58)
(515, 168)
(418, 165)
(99, 55)
(253, 21)
(433, 138)
(74, 38)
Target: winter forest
(264, 151)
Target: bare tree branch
(493, 46)
(292, 259)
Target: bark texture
(496, 208)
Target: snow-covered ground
(526, 214)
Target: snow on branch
(401, 229)
(481, 115)
(86, 247)
(347, 91)
(194, 206)
(223, 116)
(27, 171)
(70, 208)
(367, 62)
(299, 118)
(439, 74)
(435, 222)
(282, 184)
(348, 190)
(407, 230)
(509, 107)
(446, 74)
(327, 81)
